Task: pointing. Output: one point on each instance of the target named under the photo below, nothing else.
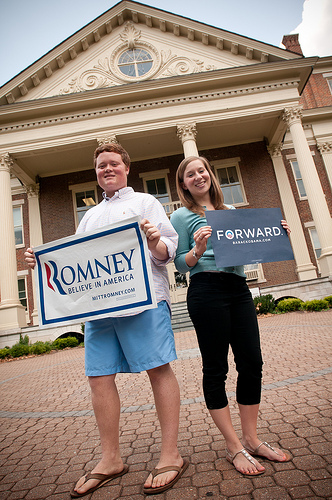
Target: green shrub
(66, 342)
(264, 304)
(48, 345)
(24, 340)
(315, 305)
(329, 300)
(4, 353)
(38, 348)
(288, 305)
(19, 350)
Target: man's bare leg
(106, 406)
(167, 399)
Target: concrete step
(181, 321)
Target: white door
(178, 284)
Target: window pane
(316, 242)
(296, 169)
(143, 68)
(128, 70)
(237, 194)
(298, 178)
(17, 216)
(18, 236)
(232, 174)
(22, 292)
(80, 215)
(161, 186)
(151, 187)
(135, 62)
(301, 188)
(18, 229)
(141, 55)
(79, 199)
(227, 195)
(330, 84)
(223, 177)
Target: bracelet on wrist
(196, 256)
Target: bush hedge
(288, 305)
(22, 348)
(264, 304)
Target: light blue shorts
(129, 344)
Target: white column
(325, 149)
(187, 134)
(304, 267)
(316, 198)
(36, 237)
(12, 313)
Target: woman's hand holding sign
(286, 227)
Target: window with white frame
(22, 292)
(84, 198)
(18, 226)
(156, 183)
(328, 77)
(229, 176)
(298, 179)
(316, 245)
(329, 81)
(315, 242)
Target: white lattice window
(229, 176)
(84, 198)
(156, 183)
(22, 292)
(298, 179)
(18, 226)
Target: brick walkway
(49, 436)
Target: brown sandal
(103, 479)
(156, 472)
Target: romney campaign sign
(248, 236)
(93, 275)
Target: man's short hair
(112, 147)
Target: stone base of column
(12, 317)
(325, 263)
(306, 272)
(34, 317)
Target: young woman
(221, 308)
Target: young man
(115, 345)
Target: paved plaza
(49, 436)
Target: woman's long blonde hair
(187, 200)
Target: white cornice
(110, 111)
(221, 80)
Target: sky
(30, 29)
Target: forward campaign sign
(248, 236)
(93, 275)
